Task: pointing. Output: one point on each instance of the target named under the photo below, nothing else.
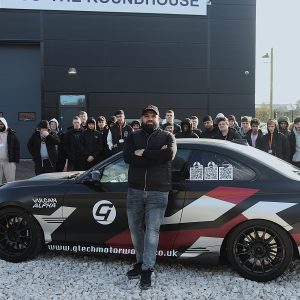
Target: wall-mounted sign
(178, 7)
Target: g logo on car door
(104, 212)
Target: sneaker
(135, 272)
(145, 282)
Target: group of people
(149, 148)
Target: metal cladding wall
(192, 64)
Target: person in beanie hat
(61, 161)
(149, 153)
(92, 145)
(118, 133)
(210, 130)
(42, 147)
(283, 125)
(294, 139)
(135, 125)
(112, 120)
(233, 123)
(9, 152)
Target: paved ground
(25, 169)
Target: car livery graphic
(227, 200)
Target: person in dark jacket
(294, 139)
(225, 132)
(103, 128)
(149, 153)
(233, 123)
(169, 118)
(210, 130)
(118, 133)
(274, 142)
(283, 125)
(254, 135)
(42, 147)
(195, 123)
(186, 130)
(245, 126)
(61, 161)
(135, 125)
(9, 152)
(92, 145)
(72, 146)
(112, 120)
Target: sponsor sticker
(226, 171)
(211, 171)
(196, 171)
(104, 212)
(44, 202)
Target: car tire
(21, 237)
(259, 250)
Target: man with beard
(92, 145)
(149, 153)
(210, 130)
(9, 152)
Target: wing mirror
(93, 177)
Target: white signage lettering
(178, 7)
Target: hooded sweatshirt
(57, 124)
(286, 131)
(186, 134)
(3, 142)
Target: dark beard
(149, 128)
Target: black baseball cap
(151, 107)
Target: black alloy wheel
(20, 235)
(259, 250)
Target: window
(26, 116)
(213, 166)
(115, 172)
(179, 164)
(72, 100)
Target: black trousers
(44, 166)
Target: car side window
(115, 172)
(179, 164)
(213, 166)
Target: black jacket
(119, 133)
(231, 135)
(72, 144)
(92, 144)
(249, 140)
(13, 146)
(292, 141)
(280, 145)
(209, 134)
(151, 171)
(34, 146)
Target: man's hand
(90, 158)
(139, 152)
(164, 147)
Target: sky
(278, 26)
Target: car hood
(46, 179)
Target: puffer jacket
(151, 171)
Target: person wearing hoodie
(225, 132)
(274, 142)
(9, 152)
(92, 145)
(186, 130)
(61, 161)
(233, 123)
(294, 139)
(283, 125)
(42, 147)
